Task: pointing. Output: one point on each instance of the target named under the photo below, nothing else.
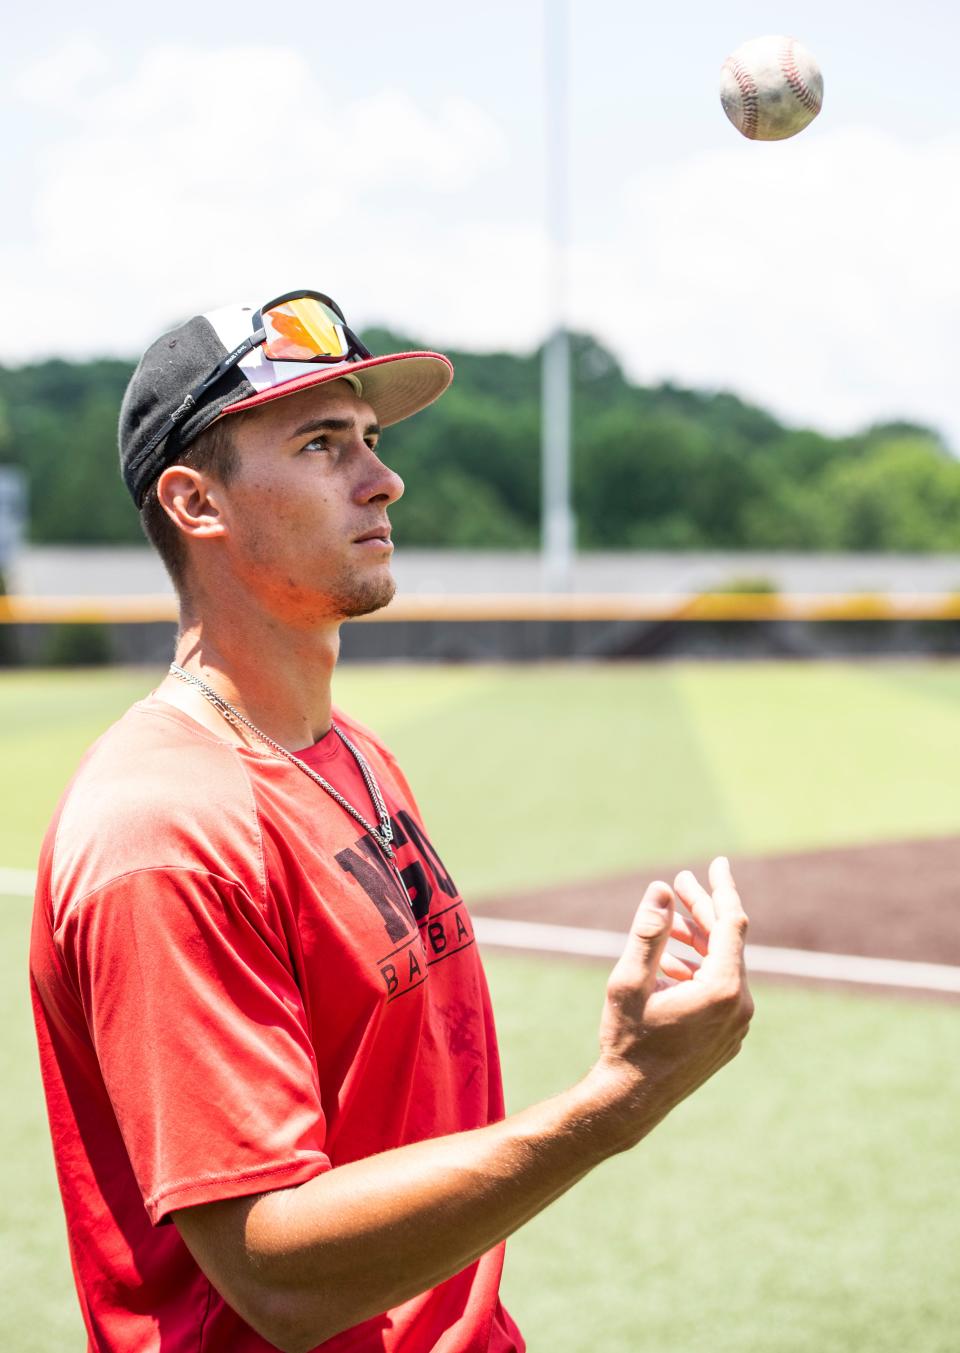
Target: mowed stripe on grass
(541, 775)
(544, 775)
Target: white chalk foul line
(586, 942)
(17, 882)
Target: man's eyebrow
(333, 425)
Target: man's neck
(278, 677)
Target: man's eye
(317, 444)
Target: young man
(265, 1035)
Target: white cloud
(56, 79)
(816, 276)
(819, 276)
(208, 176)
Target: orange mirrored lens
(299, 330)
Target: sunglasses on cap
(300, 326)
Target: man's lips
(379, 534)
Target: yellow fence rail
(536, 606)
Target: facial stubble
(357, 595)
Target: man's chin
(370, 595)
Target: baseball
(771, 88)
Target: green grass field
(583, 771)
(803, 1201)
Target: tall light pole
(556, 515)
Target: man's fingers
(725, 955)
(681, 969)
(688, 931)
(726, 899)
(647, 940)
(696, 899)
(725, 895)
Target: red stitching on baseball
(791, 73)
(748, 96)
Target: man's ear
(191, 500)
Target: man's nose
(380, 484)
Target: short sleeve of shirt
(200, 1031)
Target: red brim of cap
(395, 386)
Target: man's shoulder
(156, 791)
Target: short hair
(214, 452)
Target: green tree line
(656, 467)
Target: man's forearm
(302, 1264)
(367, 1236)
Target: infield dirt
(894, 900)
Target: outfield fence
(537, 606)
(83, 630)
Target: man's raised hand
(669, 1023)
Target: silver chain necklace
(383, 834)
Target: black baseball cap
(396, 385)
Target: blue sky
(181, 156)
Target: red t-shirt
(233, 995)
